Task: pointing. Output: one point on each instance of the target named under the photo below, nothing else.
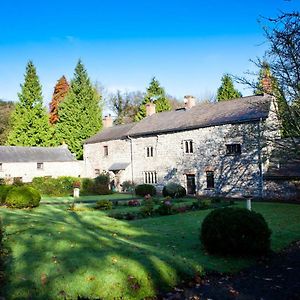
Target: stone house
(219, 148)
(25, 163)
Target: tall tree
(30, 126)
(80, 114)
(6, 109)
(227, 91)
(60, 91)
(156, 94)
(125, 105)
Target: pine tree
(30, 126)
(227, 90)
(80, 114)
(60, 91)
(155, 93)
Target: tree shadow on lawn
(62, 254)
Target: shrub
(165, 208)
(235, 232)
(104, 205)
(173, 190)
(87, 186)
(145, 189)
(4, 189)
(148, 207)
(127, 186)
(97, 186)
(23, 196)
(61, 186)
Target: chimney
(150, 109)
(107, 121)
(189, 101)
(266, 83)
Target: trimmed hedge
(22, 197)
(145, 189)
(173, 190)
(235, 232)
(61, 186)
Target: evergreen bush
(173, 190)
(104, 205)
(235, 232)
(4, 189)
(22, 197)
(145, 189)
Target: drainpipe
(131, 161)
(260, 163)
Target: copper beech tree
(60, 91)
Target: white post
(249, 204)
(76, 192)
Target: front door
(191, 184)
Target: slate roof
(246, 109)
(285, 160)
(35, 154)
(118, 166)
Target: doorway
(191, 184)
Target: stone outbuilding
(25, 163)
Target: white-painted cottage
(25, 163)
(212, 149)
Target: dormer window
(188, 146)
(149, 151)
(233, 149)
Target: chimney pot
(107, 121)
(150, 109)
(189, 101)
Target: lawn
(59, 254)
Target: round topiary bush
(174, 190)
(235, 232)
(23, 196)
(145, 189)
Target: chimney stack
(266, 83)
(150, 109)
(189, 101)
(107, 121)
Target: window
(1, 167)
(149, 151)
(210, 180)
(188, 146)
(233, 149)
(97, 172)
(150, 177)
(105, 150)
(40, 166)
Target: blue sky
(187, 45)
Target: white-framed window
(105, 150)
(40, 166)
(188, 146)
(233, 149)
(150, 177)
(1, 167)
(149, 151)
(97, 172)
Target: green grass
(115, 196)
(58, 254)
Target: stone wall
(282, 189)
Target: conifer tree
(60, 91)
(80, 113)
(156, 94)
(227, 90)
(30, 126)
